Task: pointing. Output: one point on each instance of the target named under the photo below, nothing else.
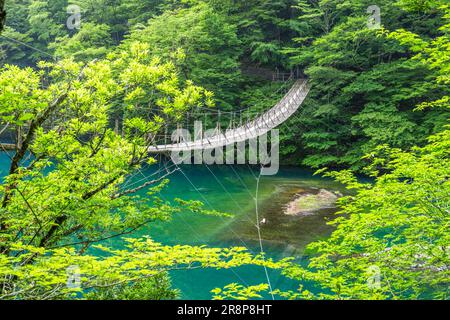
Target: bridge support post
(274, 158)
(198, 135)
(253, 151)
(229, 154)
(240, 152)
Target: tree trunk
(19, 138)
(116, 127)
(2, 14)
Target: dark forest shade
(2, 14)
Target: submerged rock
(308, 203)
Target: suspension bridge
(242, 125)
(259, 125)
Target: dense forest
(365, 86)
(379, 106)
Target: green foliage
(376, 98)
(235, 291)
(64, 192)
(91, 42)
(391, 239)
(37, 273)
(158, 287)
(203, 45)
(398, 226)
(364, 84)
(30, 27)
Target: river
(232, 190)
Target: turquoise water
(232, 190)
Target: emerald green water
(232, 190)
